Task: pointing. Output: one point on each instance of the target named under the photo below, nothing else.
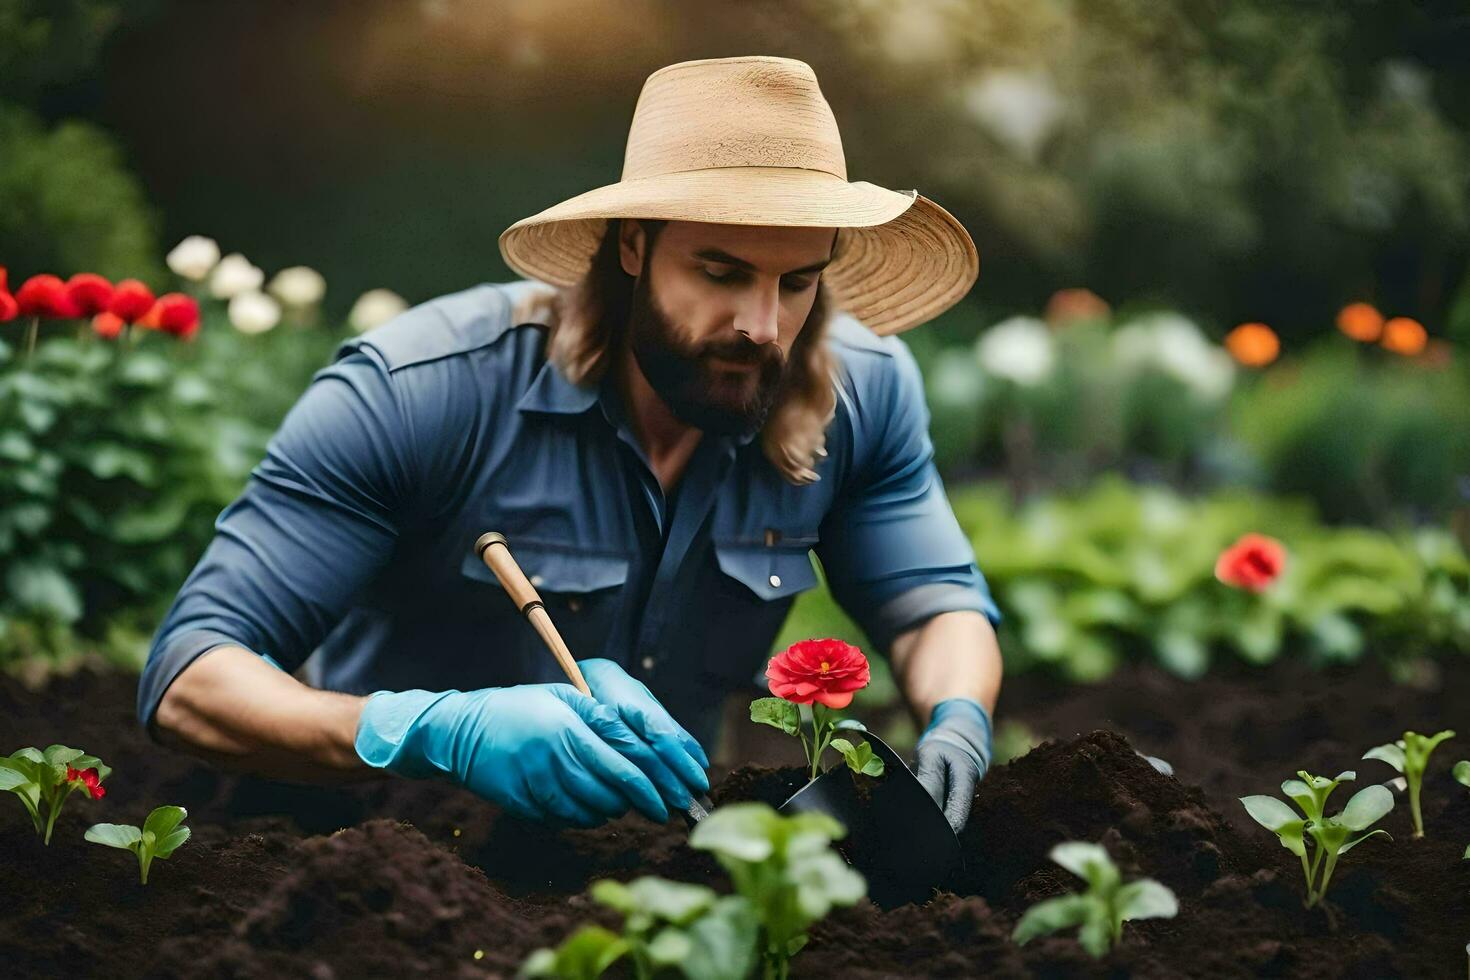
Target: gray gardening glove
(953, 754)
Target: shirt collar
(551, 392)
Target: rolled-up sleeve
(892, 551)
(317, 520)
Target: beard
(700, 394)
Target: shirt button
(775, 581)
(536, 580)
(647, 663)
(575, 604)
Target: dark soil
(427, 880)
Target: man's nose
(757, 316)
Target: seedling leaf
(171, 843)
(588, 954)
(723, 942)
(1367, 807)
(1146, 899)
(1391, 753)
(1354, 843)
(1052, 915)
(164, 819)
(119, 835)
(1461, 772)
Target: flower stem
(31, 333)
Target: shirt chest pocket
(581, 590)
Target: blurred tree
(68, 202)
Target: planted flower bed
(399, 878)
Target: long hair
(590, 328)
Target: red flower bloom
(8, 306)
(89, 293)
(45, 296)
(89, 780)
(107, 326)
(131, 301)
(826, 671)
(177, 314)
(1252, 563)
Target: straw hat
(751, 141)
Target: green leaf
(1367, 807)
(59, 755)
(1354, 843)
(167, 845)
(163, 820)
(670, 947)
(1146, 899)
(1090, 862)
(120, 835)
(43, 589)
(1096, 935)
(1461, 772)
(1052, 915)
(723, 942)
(776, 712)
(1277, 817)
(29, 754)
(823, 880)
(1390, 752)
(739, 830)
(12, 779)
(585, 955)
(672, 901)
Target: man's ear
(632, 240)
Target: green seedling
(785, 868)
(785, 715)
(44, 780)
(1462, 776)
(1410, 756)
(1329, 835)
(158, 838)
(668, 927)
(1102, 909)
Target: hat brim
(903, 261)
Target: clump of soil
(403, 878)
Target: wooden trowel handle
(493, 550)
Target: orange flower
(1253, 344)
(107, 325)
(1070, 305)
(1360, 321)
(1405, 336)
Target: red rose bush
(823, 674)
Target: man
(663, 441)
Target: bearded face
(725, 385)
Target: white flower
(1019, 108)
(375, 307)
(1019, 349)
(955, 380)
(1173, 345)
(234, 275)
(193, 258)
(253, 312)
(298, 287)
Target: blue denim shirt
(350, 552)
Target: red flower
(131, 301)
(1253, 562)
(826, 671)
(45, 296)
(89, 293)
(89, 780)
(107, 326)
(177, 314)
(8, 306)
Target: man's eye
(725, 277)
(797, 285)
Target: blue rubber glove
(677, 761)
(542, 751)
(953, 754)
